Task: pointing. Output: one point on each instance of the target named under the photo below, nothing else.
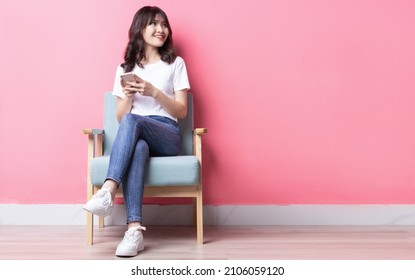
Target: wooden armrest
(200, 131)
(197, 148)
(93, 131)
(95, 141)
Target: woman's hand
(139, 86)
(128, 89)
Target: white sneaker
(132, 243)
(100, 204)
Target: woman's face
(156, 32)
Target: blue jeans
(137, 138)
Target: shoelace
(106, 199)
(131, 235)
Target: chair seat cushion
(161, 171)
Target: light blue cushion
(161, 171)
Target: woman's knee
(131, 119)
(129, 122)
(127, 119)
(142, 148)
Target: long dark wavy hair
(135, 50)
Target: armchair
(176, 176)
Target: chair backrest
(111, 125)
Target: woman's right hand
(128, 90)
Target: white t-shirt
(168, 78)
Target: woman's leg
(163, 139)
(123, 148)
(137, 138)
(101, 203)
(133, 184)
(159, 139)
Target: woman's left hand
(142, 87)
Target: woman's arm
(176, 107)
(124, 105)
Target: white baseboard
(224, 215)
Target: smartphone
(128, 77)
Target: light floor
(256, 242)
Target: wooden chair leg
(199, 214)
(89, 228)
(194, 212)
(89, 216)
(101, 222)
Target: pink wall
(306, 102)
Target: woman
(148, 109)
